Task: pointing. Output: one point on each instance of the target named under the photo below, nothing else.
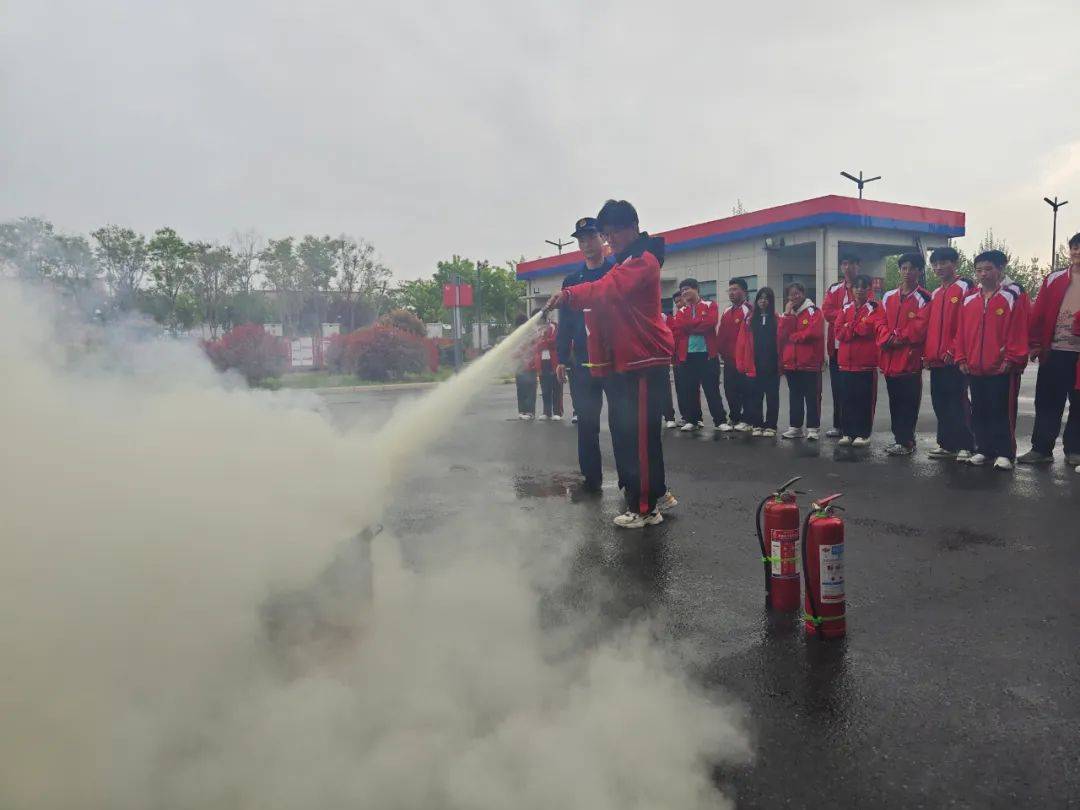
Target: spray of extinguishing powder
(150, 511)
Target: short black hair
(689, 282)
(617, 214)
(916, 260)
(520, 319)
(995, 257)
(850, 257)
(944, 254)
(863, 280)
(739, 282)
(794, 286)
(1075, 241)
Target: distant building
(773, 247)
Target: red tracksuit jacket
(546, 343)
(698, 319)
(945, 304)
(904, 319)
(727, 330)
(803, 338)
(744, 348)
(838, 296)
(856, 329)
(1044, 312)
(991, 332)
(628, 297)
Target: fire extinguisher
(823, 569)
(777, 521)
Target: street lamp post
(860, 181)
(560, 244)
(1053, 239)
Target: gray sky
(433, 128)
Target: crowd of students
(974, 336)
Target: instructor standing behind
(628, 297)
(588, 376)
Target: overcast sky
(433, 128)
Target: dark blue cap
(585, 225)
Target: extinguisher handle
(826, 502)
(784, 486)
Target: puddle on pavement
(886, 527)
(960, 539)
(558, 485)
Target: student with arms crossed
(856, 332)
(802, 334)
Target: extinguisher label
(785, 558)
(831, 565)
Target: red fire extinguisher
(823, 569)
(777, 521)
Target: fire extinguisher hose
(766, 560)
(814, 618)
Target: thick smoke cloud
(151, 511)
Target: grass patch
(327, 379)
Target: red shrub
(378, 353)
(405, 321)
(250, 350)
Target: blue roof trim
(815, 221)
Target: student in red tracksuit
(642, 347)
(1053, 344)
(547, 361)
(736, 384)
(757, 356)
(948, 391)
(838, 296)
(991, 344)
(901, 335)
(525, 376)
(802, 333)
(698, 355)
(856, 332)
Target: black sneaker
(1035, 457)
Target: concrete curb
(359, 389)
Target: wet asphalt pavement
(959, 682)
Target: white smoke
(150, 512)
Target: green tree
(362, 280)
(122, 255)
(73, 266)
(215, 272)
(281, 269)
(422, 297)
(246, 247)
(27, 244)
(172, 271)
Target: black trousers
(993, 414)
(737, 391)
(551, 390)
(837, 379)
(762, 387)
(526, 391)
(860, 401)
(1054, 385)
(701, 372)
(588, 392)
(948, 393)
(669, 406)
(804, 390)
(682, 396)
(640, 395)
(905, 394)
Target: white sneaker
(757, 432)
(542, 418)
(1002, 463)
(556, 418)
(632, 520)
(793, 433)
(832, 433)
(941, 452)
(978, 459)
(812, 434)
(667, 502)
(724, 427)
(743, 427)
(523, 416)
(573, 419)
(963, 455)
(1078, 468)
(769, 433)
(670, 423)
(845, 441)
(860, 441)
(689, 426)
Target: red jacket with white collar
(838, 296)
(803, 336)
(945, 304)
(546, 343)
(727, 330)
(904, 320)
(697, 319)
(1044, 312)
(991, 332)
(628, 297)
(856, 329)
